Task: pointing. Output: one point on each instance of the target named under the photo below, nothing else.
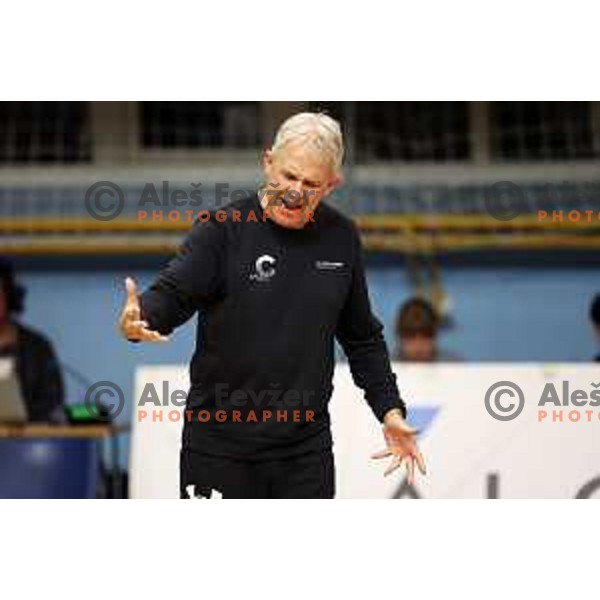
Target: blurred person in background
(35, 361)
(595, 317)
(417, 328)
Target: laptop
(12, 406)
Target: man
(417, 326)
(33, 355)
(595, 318)
(276, 281)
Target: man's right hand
(130, 323)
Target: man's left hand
(401, 440)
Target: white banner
(545, 450)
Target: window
(405, 131)
(190, 125)
(541, 130)
(44, 132)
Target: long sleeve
(360, 335)
(50, 394)
(40, 376)
(191, 280)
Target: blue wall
(506, 313)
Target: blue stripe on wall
(502, 314)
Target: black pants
(306, 476)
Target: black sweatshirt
(39, 374)
(271, 300)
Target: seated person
(35, 362)
(417, 326)
(595, 317)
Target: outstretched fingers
(149, 335)
(396, 462)
(420, 462)
(410, 470)
(131, 289)
(382, 454)
(131, 311)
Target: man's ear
(336, 181)
(267, 158)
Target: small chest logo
(264, 268)
(329, 265)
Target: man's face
(418, 347)
(297, 179)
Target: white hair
(313, 129)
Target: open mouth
(290, 204)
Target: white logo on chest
(264, 268)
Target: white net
(40, 133)
(200, 125)
(422, 177)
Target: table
(52, 461)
